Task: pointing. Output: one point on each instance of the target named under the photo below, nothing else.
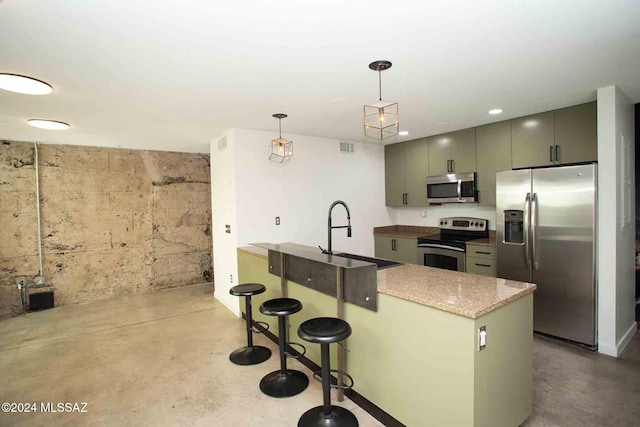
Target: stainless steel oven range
(448, 248)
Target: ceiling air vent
(222, 143)
(346, 147)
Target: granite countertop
(465, 294)
(414, 231)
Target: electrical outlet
(38, 280)
(21, 282)
(231, 278)
(482, 338)
(277, 220)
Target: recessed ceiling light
(495, 111)
(24, 84)
(48, 124)
(403, 133)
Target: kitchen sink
(380, 263)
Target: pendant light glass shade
(281, 149)
(381, 118)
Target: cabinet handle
(406, 198)
(484, 253)
(557, 153)
(453, 165)
(393, 244)
(551, 153)
(483, 265)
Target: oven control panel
(464, 224)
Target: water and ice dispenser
(514, 226)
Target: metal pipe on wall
(37, 165)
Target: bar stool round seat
(251, 354)
(324, 331)
(284, 382)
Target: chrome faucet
(331, 227)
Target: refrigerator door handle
(527, 226)
(459, 189)
(534, 226)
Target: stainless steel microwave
(452, 188)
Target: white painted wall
(223, 211)
(616, 242)
(414, 216)
(299, 192)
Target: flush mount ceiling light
(281, 149)
(381, 118)
(48, 124)
(24, 84)
(495, 111)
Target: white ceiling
(173, 75)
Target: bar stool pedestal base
(279, 384)
(339, 417)
(250, 355)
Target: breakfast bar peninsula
(429, 347)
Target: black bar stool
(285, 382)
(324, 331)
(251, 354)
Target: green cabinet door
(532, 140)
(417, 170)
(576, 134)
(463, 150)
(396, 249)
(394, 174)
(439, 154)
(384, 247)
(406, 250)
(493, 143)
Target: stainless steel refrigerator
(545, 232)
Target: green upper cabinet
(564, 136)
(532, 140)
(394, 174)
(493, 143)
(439, 154)
(576, 134)
(406, 171)
(417, 171)
(463, 151)
(452, 152)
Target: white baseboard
(626, 338)
(615, 351)
(233, 305)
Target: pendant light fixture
(281, 149)
(381, 118)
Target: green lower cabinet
(481, 260)
(398, 249)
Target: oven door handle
(459, 189)
(435, 245)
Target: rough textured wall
(114, 221)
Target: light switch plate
(482, 338)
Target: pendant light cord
(280, 127)
(380, 83)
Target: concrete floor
(161, 359)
